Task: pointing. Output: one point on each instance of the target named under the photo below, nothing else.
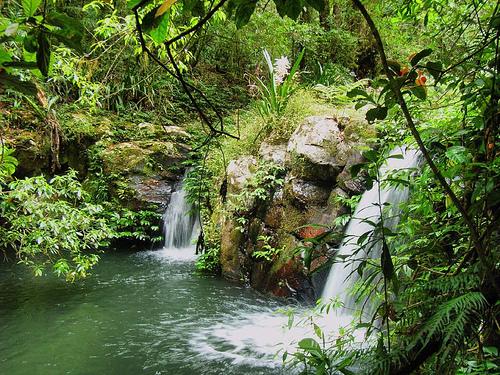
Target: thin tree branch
(186, 86)
(198, 25)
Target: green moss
(141, 157)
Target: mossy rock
(141, 157)
(231, 241)
(32, 150)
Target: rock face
(307, 192)
(317, 150)
(148, 168)
(316, 161)
(238, 173)
(273, 153)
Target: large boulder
(273, 153)
(143, 157)
(153, 190)
(317, 149)
(306, 192)
(149, 169)
(239, 171)
(230, 250)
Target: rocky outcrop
(316, 180)
(317, 150)
(141, 161)
(273, 153)
(238, 173)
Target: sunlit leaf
(164, 7)
(30, 7)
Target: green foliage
(142, 226)
(53, 224)
(322, 352)
(209, 261)
(27, 39)
(258, 189)
(266, 252)
(8, 163)
(280, 85)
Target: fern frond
(452, 319)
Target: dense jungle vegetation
(93, 92)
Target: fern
(450, 284)
(452, 319)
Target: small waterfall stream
(343, 276)
(180, 225)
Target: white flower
(281, 68)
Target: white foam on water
(178, 255)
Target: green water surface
(139, 313)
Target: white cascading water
(179, 223)
(180, 227)
(343, 276)
(250, 336)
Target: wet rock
(229, 253)
(148, 168)
(238, 173)
(317, 149)
(345, 180)
(307, 192)
(273, 153)
(152, 190)
(290, 281)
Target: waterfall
(180, 225)
(343, 276)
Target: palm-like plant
(279, 87)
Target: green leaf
(419, 92)
(160, 33)
(290, 8)
(357, 92)
(71, 26)
(131, 4)
(419, 56)
(243, 12)
(377, 113)
(495, 22)
(318, 331)
(4, 56)
(434, 68)
(310, 345)
(30, 7)
(43, 53)
(370, 155)
(458, 154)
(30, 43)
